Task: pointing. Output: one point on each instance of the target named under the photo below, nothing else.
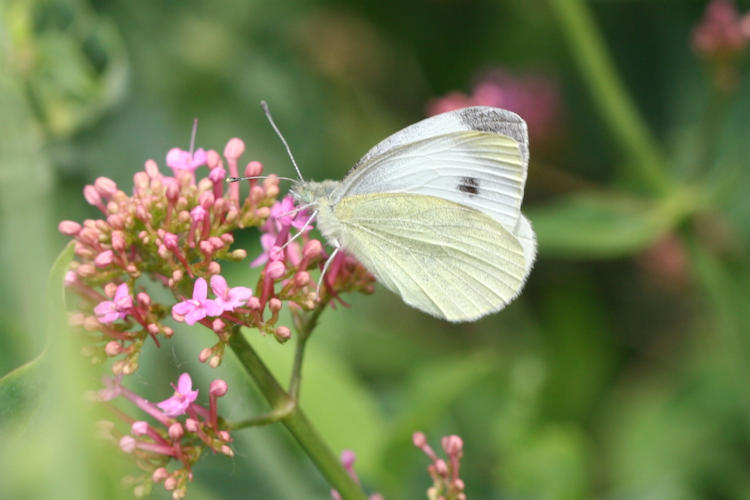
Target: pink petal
(123, 304)
(184, 383)
(109, 317)
(173, 406)
(200, 290)
(199, 158)
(195, 315)
(122, 291)
(212, 307)
(219, 285)
(176, 158)
(184, 307)
(104, 307)
(240, 294)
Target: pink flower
(177, 159)
(198, 307)
(183, 396)
(111, 310)
(229, 298)
(283, 214)
(535, 98)
(721, 31)
(276, 232)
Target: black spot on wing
(469, 185)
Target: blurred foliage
(621, 372)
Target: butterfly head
(312, 192)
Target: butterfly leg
(337, 248)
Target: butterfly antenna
(192, 135)
(237, 179)
(264, 105)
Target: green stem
(296, 421)
(305, 326)
(271, 417)
(614, 102)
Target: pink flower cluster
(535, 98)
(446, 483)
(154, 444)
(176, 230)
(722, 33)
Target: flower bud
(170, 483)
(234, 149)
(213, 160)
(191, 425)
(105, 186)
(283, 334)
(127, 444)
(141, 181)
(215, 361)
(218, 388)
(176, 431)
(204, 354)
(274, 269)
(91, 195)
(253, 169)
(441, 467)
(113, 348)
(274, 305)
(151, 168)
(238, 254)
(302, 278)
(452, 444)
(159, 475)
(104, 259)
(419, 439)
(312, 249)
(69, 228)
(139, 428)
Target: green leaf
(549, 462)
(600, 226)
(22, 388)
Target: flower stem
(271, 417)
(296, 421)
(305, 326)
(608, 90)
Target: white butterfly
(434, 212)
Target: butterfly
(434, 212)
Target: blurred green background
(621, 372)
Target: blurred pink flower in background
(535, 98)
(722, 32)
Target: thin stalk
(615, 104)
(305, 326)
(271, 417)
(296, 421)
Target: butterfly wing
(475, 118)
(476, 157)
(443, 258)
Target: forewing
(481, 170)
(475, 118)
(443, 258)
